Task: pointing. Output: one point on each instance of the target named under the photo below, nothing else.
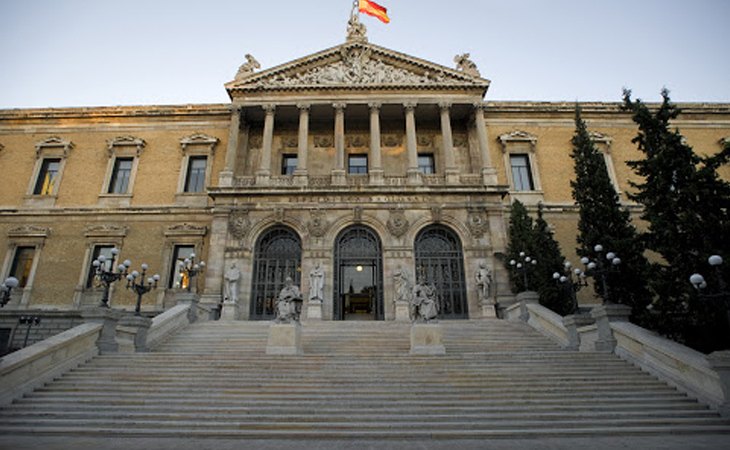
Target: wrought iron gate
(277, 255)
(440, 260)
(358, 245)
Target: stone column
(451, 171)
(489, 175)
(338, 174)
(225, 178)
(604, 315)
(300, 174)
(414, 176)
(376, 164)
(264, 172)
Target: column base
(489, 176)
(339, 177)
(284, 339)
(376, 177)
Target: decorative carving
(436, 213)
(269, 109)
(29, 231)
(239, 224)
(357, 140)
(324, 141)
(466, 65)
(124, 141)
(357, 213)
(186, 229)
(317, 224)
(600, 138)
(105, 230)
(53, 142)
(461, 140)
(375, 106)
(410, 106)
(247, 69)
(279, 215)
(397, 223)
(477, 223)
(391, 140)
(517, 136)
(289, 141)
(424, 140)
(199, 139)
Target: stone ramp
(357, 381)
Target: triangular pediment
(358, 65)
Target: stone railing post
(108, 319)
(525, 298)
(572, 323)
(720, 363)
(604, 315)
(191, 299)
(141, 326)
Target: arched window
(277, 255)
(440, 260)
(358, 277)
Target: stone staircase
(357, 380)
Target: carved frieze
(424, 140)
(239, 224)
(391, 140)
(357, 140)
(289, 141)
(461, 140)
(397, 223)
(317, 224)
(324, 141)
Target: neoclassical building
(360, 160)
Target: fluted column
(264, 172)
(300, 174)
(451, 171)
(376, 165)
(338, 174)
(225, 178)
(489, 175)
(411, 144)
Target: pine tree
(550, 260)
(602, 220)
(687, 207)
(521, 239)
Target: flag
(373, 9)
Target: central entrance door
(358, 283)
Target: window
(521, 176)
(426, 163)
(195, 178)
(22, 264)
(357, 164)
(289, 164)
(121, 174)
(178, 278)
(47, 177)
(99, 250)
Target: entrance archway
(440, 260)
(358, 275)
(277, 255)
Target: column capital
(479, 106)
(444, 106)
(410, 106)
(339, 106)
(374, 106)
(304, 106)
(269, 109)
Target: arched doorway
(358, 275)
(277, 255)
(439, 258)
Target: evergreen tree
(687, 207)
(602, 220)
(550, 260)
(520, 239)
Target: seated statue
(289, 303)
(424, 304)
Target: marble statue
(289, 303)
(484, 281)
(466, 65)
(248, 67)
(232, 277)
(316, 283)
(424, 304)
(403, 286)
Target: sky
(60, 53)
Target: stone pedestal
(376, 177)
(489, 176)
(488, 310)
(414, 177)
(225, 178)
(314, 310)
(284, 339)
(191, 299)
(525, 298)
(453, 176)
(720, 363)
(107, 341)
(339, 177)
(230, 311)
(572, 323)
(401, 311)
(604, 315)
(135, 328)
(427, 339)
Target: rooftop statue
(248, 67)
(356, 31)
(466, 65)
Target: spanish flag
(373, 9)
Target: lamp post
(719, 291)
(107, 277)
(599, 268)
(140, 288)
(30, 321)
(522, 266)
(572, 280)
(191, 269)
(6, 288)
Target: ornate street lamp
(601, 267)
(191, 269)
(523, 265)
(572, 280)
(140, 288)
(719, 292)
(6, 288)
(107, 277)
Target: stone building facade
(363, 161)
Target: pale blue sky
(56, 53)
